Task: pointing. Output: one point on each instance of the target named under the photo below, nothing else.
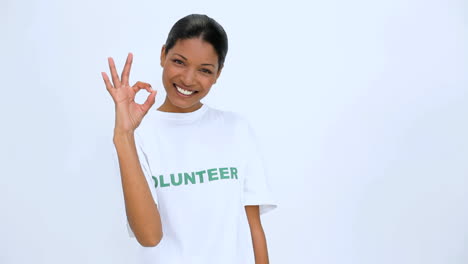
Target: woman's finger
(126, 70)
(142, 85)
(115, 76)
(109, 86)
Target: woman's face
(190, 68)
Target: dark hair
(203, 26)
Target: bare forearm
(258, 236)
(260, 246)
(142, 213)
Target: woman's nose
(188, 77)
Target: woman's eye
(206, 71)
(177, 61)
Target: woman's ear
(163, 55)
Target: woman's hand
(128, 114)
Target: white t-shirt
(202, 167)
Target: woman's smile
(184, 92)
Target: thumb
(149, 101)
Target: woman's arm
(258, 236)
(142, 213)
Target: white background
(361, 108)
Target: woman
(192, 176)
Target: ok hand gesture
(128, 114)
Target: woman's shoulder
(146, 125)
(228, 116)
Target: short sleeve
(256, 188)
(144, 163)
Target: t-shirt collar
(182, 117)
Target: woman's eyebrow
(181, 56)
(208, 64)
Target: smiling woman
(192, 60)
(220, 187)
(190, 68)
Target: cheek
(207, 82)
(168, 73)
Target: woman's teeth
(182, 91)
